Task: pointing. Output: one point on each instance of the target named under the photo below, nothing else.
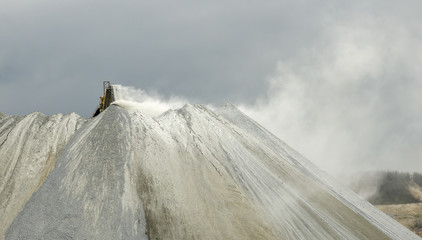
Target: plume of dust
(416, 191)
(150, 104)
(349, 105)
(365, 184)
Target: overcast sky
(340, 82)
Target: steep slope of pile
(345, 195)
(191, 173)
(90, 194)
(29, 148)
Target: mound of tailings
(191, 173)
(29, 149)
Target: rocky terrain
(409, 215)
(397, 194)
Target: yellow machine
(106, 100)
(102, 103)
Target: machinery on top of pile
(106, 100)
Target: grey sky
(335, 80)
(208, 52)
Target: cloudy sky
(339, 81)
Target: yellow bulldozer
(106, 100)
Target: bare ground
(409, 215)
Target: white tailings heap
(189, 173)
(29, 149)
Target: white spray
(151, 104)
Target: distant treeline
(393, 188)
(390, 187)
